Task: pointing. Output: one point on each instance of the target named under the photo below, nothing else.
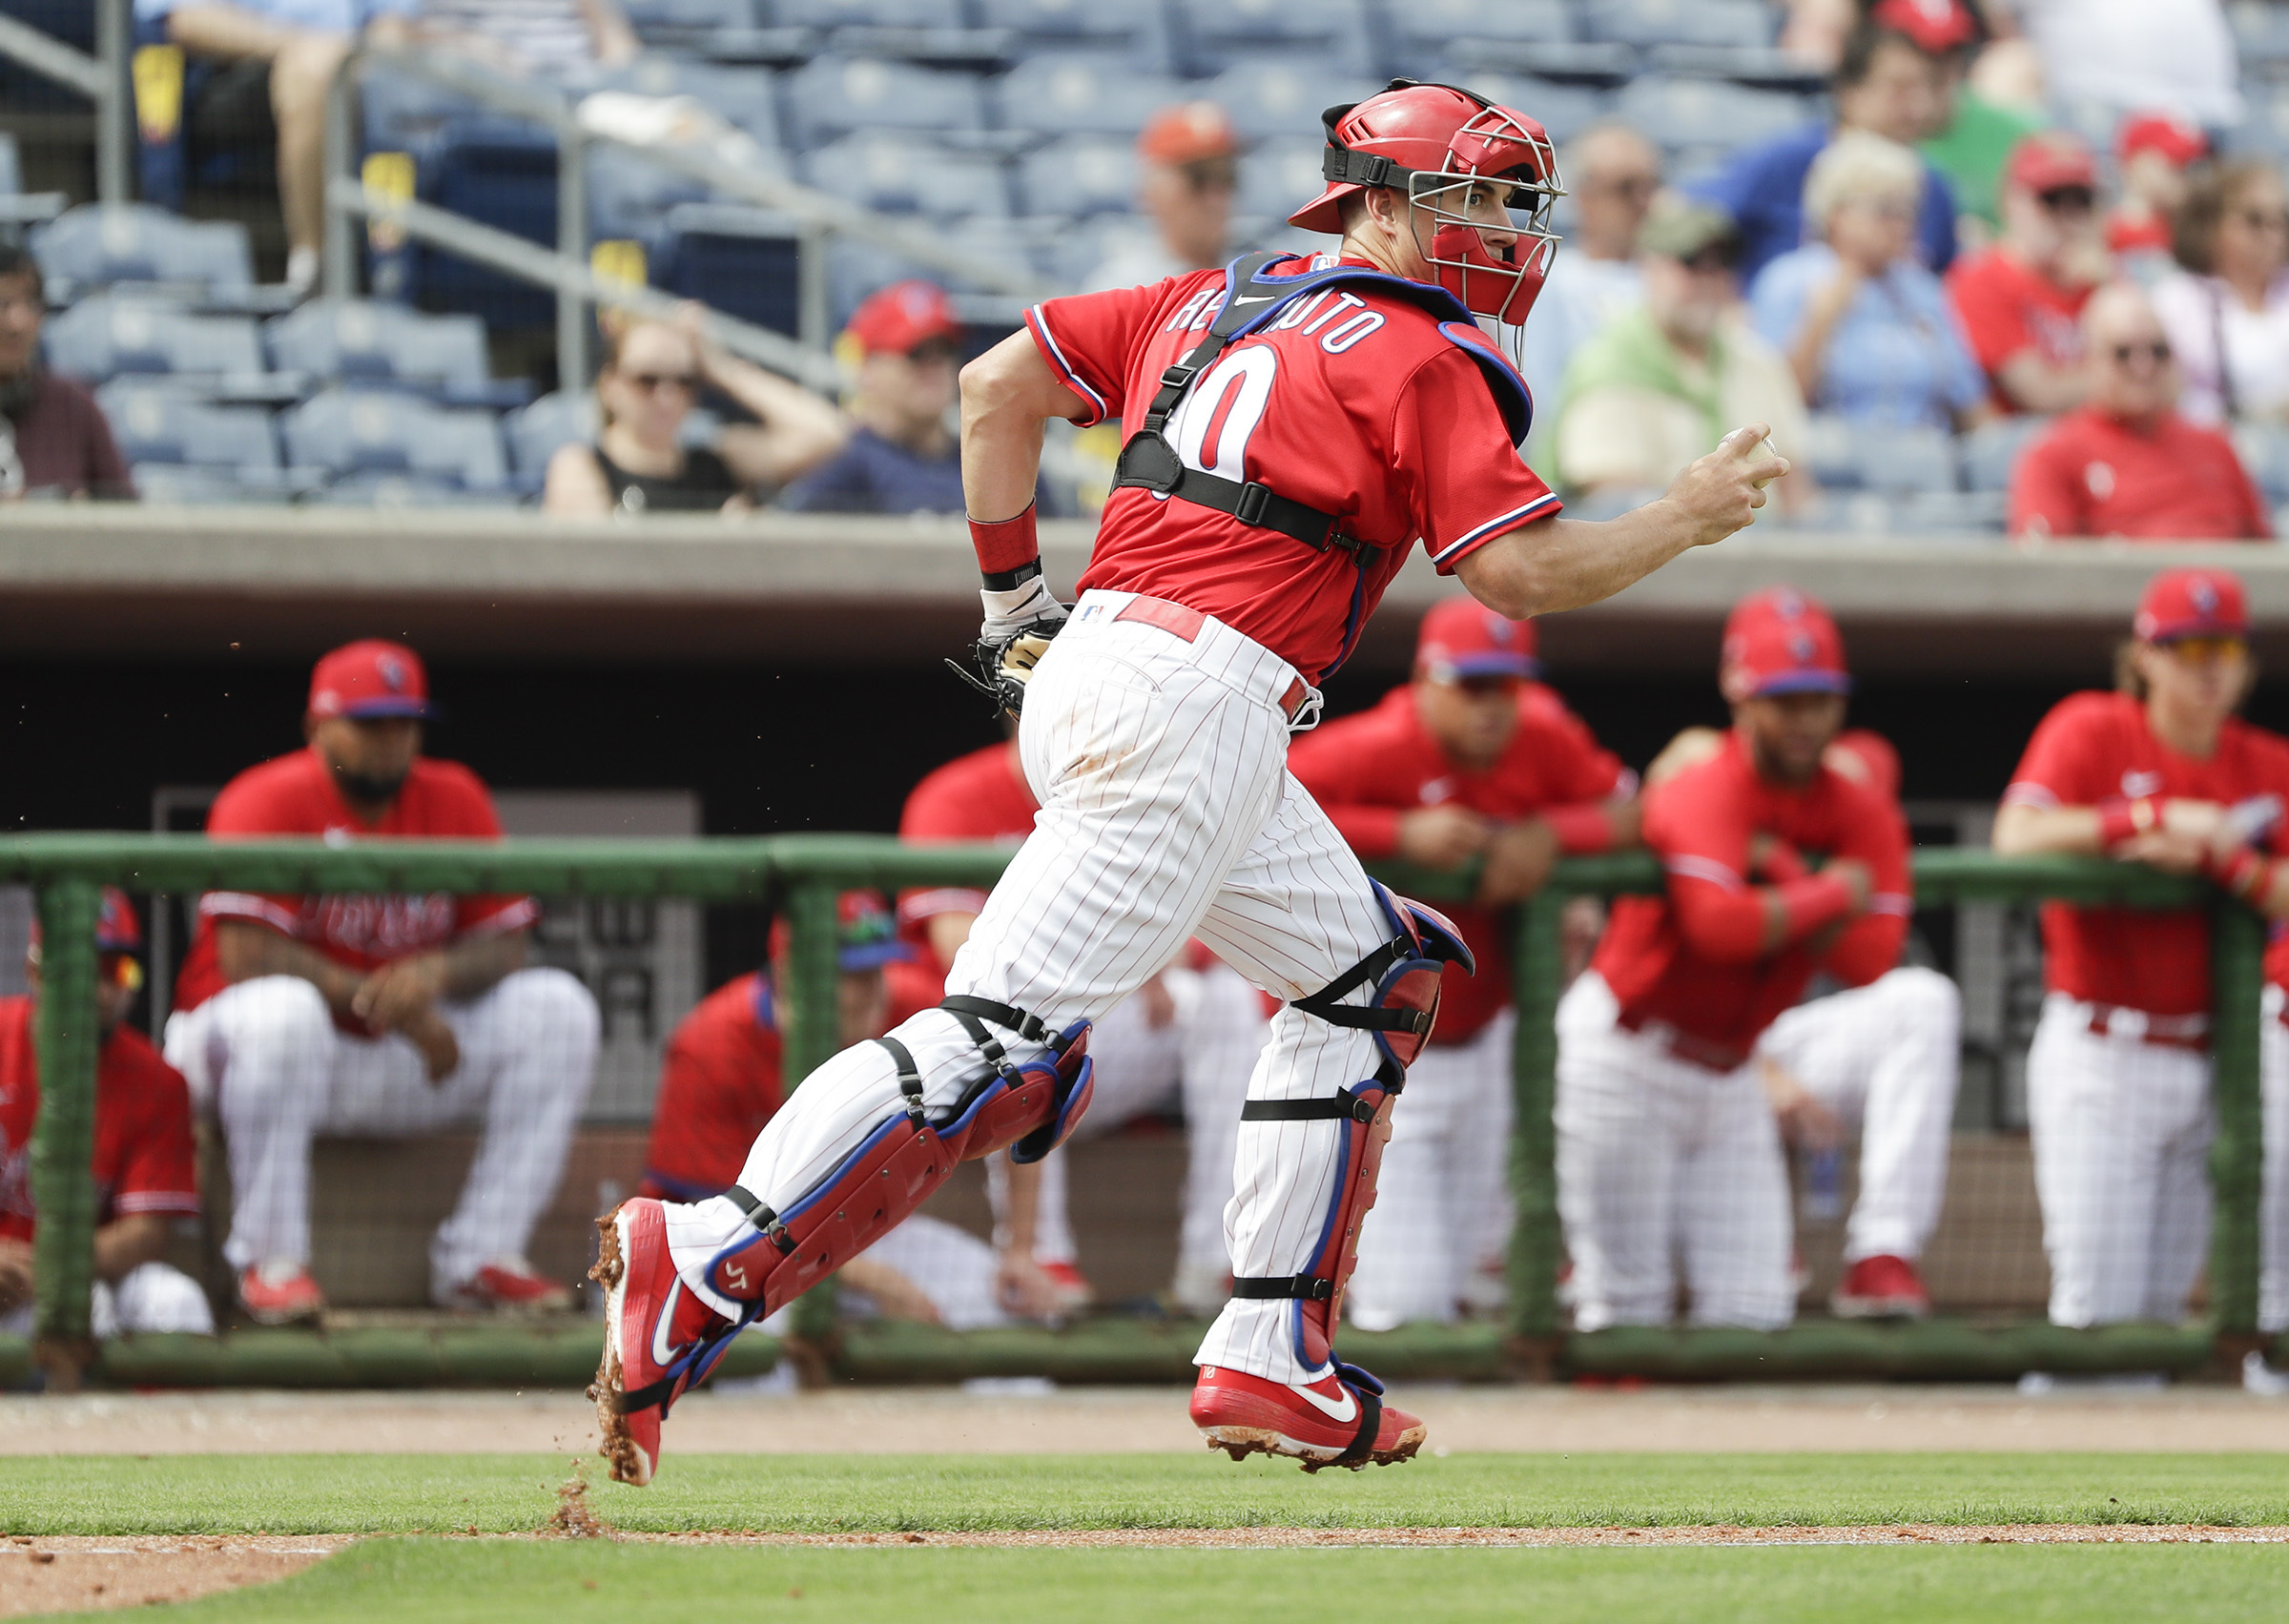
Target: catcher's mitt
(1005, 661)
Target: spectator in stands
(1613, 173)
(145, 1159)
(1665, 379)
(2127, 463)
(2021, 301)
(1868, 330)
(278, 56)
(2227, 312)
(543, 39)
(1976, 134)
(652, 374)
(1188, 172)
(1885, 84)
(902, 457)
(2153, 153)
(54, 436)
(301, 1014)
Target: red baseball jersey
(2092, 475)
(980, 796)
(1352, 401)
(144, 1159)
(2094, 746)
(295, 795)
(720, 1082)
(1368, 770)
(2007, 310)
(1685, 959)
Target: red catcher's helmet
(1435, 142)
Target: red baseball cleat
(1880, 1287)
(1073, 1290)
(1339, 1420)
(276, 1296)
(658, 1338)
(510, 1286)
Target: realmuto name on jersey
(1337, 319)
(381, 927)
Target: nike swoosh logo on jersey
(1347, 1410)
(1258, 298)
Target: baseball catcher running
(1295, 424)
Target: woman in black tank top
(652, 374)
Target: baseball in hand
(1765, 446)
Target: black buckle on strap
(1253, 500)
(1337, 1108)
(910, 1077)
(1029, 1027)
(762, 1218)
(1261, 1287)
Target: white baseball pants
(265, 1056)
(2273, 1281)
(2122, 1136)
(149, 1297)
(1884, 1056)
(1658, 1157)
(1167, 812)
(1198, 1061)
(1441, 1211)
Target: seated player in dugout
(1187, 1040)
(298, 1016)
(722, 1078)
(1884, 1058)
(145, 1158)
(1666, 1144)
(1472, 761)
(2160, 771)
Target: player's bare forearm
(1020, 1223)
(245, 950)
(475, 964)
(127, 1243)
(1007, 393)
(948, 931)
(1565, 564)
(2026, 832)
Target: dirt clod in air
(574, 1518)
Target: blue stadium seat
(386, 489)
(1991, 450)
(855, 269)
(156, 423)
(901, 175)
(2264, 451)
(1706, 114)
(1682, 22)
(96, 245)
(1213, 34)
(834, 95)
(1851, 456)
(686, 22)
(172, 485)
(928, 31)
(1563, 111)
(747, 97)
(442, 356)
(349, 431)
(564, 418)
(1069, 93)
(743, 261)
(1080, 177)
(2261, 35)
(870, 14)
(1278, 177)
(1138, 32)
(1424, 32)
(1269, 98)
(101, 337)
(629, 195)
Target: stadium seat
(834, 95)
(348, 432)
(386, 489)
(1851, 456)
(176, 486)
(1707, 113)
(902, 175)
(1140, 33)
(629, 195)
(1068, 94)
(686, 22)
(110, 334)
(155, 423)
(743, 261)
(747, 97)
(2260, 35)
(1563, 111)
(1644, 23)
(1278, 177)
(564, 418)
(1424, 34)
(367, 342)
(2264, 451)
(1084, 176)
(96, 245)
(855, 269)
(1213, 34)
(1271, 97)
(870, 14)
(1991, 450)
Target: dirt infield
(70, 1576)
(1856, 1419)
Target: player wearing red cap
(904, 342)
(1666, 1144)
(1473, 759)
(145, 1159)
(2021, 300)
(1295, 425)
(296, 1015)
(2161, 772)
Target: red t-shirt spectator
(296, 795)
(1693, 959)
(1368, 770)
(2008, 309)
(65, 444)
(2094, 746)
(720, 1082)
(2093, 475)
(144, 1158)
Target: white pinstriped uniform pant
(1167, 812)
(2273, 1281)
(2122, 1136)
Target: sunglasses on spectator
(1490, 684)
(2155, 351)
(2069, 199)
(2265, 219)
(647, 381)
(1630, 186)
(121, 969)
(1211, 175)
(2206, 651)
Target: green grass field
(565, 1582)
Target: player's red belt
(2169, 1031)
(1178, 621)
(1705, 1052)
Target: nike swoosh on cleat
(1347, 1410)
(662, 1351)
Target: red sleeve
(2057, 769)
(938, 809)
(1994, 321)
(1087, 340)
(1702, 836)
(158, 1169)
(715, 1095)
(1471, 484)
(2047, 492)
(259, 801)
(1869, 946)
(1340, 778)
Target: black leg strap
(1371, 1422)
(1260, 1288)
(1341, 1107)
(910, 1077)
(762, 1218)
(969, 1011)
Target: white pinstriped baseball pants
(1167, 812)
(2272, 1280)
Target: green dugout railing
(802, 875)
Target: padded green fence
(801, 874)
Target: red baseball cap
(904, 316)
(117, 930)
(2191, 603)
(1936, 26)
(370, 678)
(2049, 159)
(2163, 132)
(1779, 640)
(866, 934)
(1187, 132)
(1462, 637)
